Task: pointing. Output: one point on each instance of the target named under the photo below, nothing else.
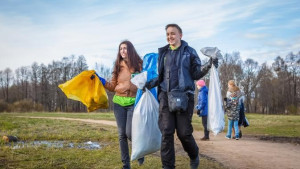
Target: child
(202, 107)
(233, 108)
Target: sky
(42, 31)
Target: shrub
(292, 109)
(26, 105)
(38, 107)
(3, 106)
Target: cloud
(277, 43)
(95, 29)
(255, 36)
(270, 51)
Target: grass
(95, 116)
(109, 157)
(266, 125)
(70, 131)
(273, 125)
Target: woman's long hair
(133, 60)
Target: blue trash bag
(149, 65)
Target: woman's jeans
(236, 128)
(123, 116)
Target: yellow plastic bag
(86, 90)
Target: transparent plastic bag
(146, 136)
(213, 52)
(215, 119)
(140, 80)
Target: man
(178, 66)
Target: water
(57, 144)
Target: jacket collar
(183, 45)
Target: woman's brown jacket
(121, 83)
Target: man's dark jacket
(189, 68)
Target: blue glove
(103, 81)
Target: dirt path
(246, 153)
(106, 122)
(250, 152)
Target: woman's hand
(103, 81)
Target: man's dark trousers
(182, 122)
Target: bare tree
(230, 69)
(2, 84)
(249, 82)
(268, 89)
(8, 78)
(81, 64)
(35, 76)
(293, 62)
(22, 77)
(45, 86)
(265, 91)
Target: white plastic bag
(140, 80)
(215, 119)
(146, 136)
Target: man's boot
(195, 163)
(141, 161)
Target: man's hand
(150, 84)
(146, 87)
(214, 61)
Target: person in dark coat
(178, 66)
(202, 106)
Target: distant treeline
(268, 89)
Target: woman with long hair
(127, 64)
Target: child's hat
(201, 83)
